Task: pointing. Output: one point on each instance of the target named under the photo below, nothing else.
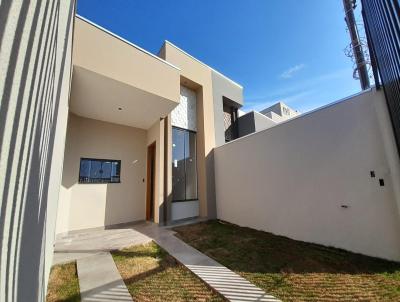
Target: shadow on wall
(69, 177)
(211, 196)
(23, 215)
(96, 205)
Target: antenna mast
(356, 45)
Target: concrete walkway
(100, 280)
(86, 243)
(226, 282)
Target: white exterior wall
(275, 117)
(253, 121)
(35, 66)
(280, 112)
(293, 179)
(184, 209)
(262, 122)
(85, 206)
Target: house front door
(151, 163)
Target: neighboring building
(241, 112)
(254, 121)
(280, 112)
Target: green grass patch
(63, 284)
(295, 270)
(151, 274)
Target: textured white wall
(293, 179)
(35, 64)
(185, 114)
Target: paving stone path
(226, 282)
(100, 281)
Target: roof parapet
(197, 60)
(126, 41)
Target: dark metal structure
(382, 26)
(358, 52)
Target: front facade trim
(197, 60)
(140, 114)
(124, 40)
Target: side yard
(294, 270)
(63, 284)
(151, 274)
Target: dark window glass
(190, 165)
(99, 171)
(184, 172)
(230, 122)
(178, 164)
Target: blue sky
(278, 50)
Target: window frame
(197, 178)
(101, 160)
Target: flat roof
(153, 55)
(216, 71)
(125, 41)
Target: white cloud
(301, 96)
(307, 84)
(305, 94)
(287, 74)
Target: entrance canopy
(118, 82)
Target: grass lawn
(294, 270)
(151, 274)
(63, 284)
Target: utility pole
(358, 51)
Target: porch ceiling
(98, 97)
(111, 73)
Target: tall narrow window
(230, 120)
(184, 172)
